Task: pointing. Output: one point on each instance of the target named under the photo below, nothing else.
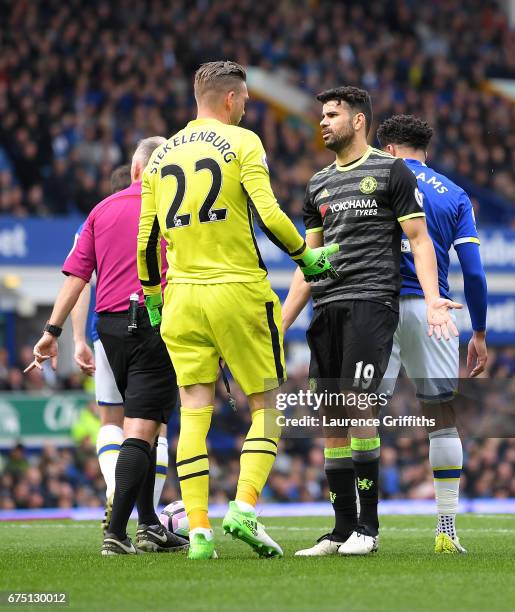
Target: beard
(339, 141)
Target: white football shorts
(106, 391)
(432, 364)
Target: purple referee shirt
(107, 244)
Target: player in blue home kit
(433, 366)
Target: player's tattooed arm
(300, 291)
(424, 255)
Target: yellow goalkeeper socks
(258, 455)
(193, 464)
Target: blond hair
(218, 78)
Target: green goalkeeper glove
(315, 264)
(153, 304)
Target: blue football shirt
(450, 221)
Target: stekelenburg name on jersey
(209, 137)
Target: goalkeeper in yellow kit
(202, 190)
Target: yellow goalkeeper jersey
(202, 190)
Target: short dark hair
(357, 99)
(121, 178)
(405, 130)
(218, 76)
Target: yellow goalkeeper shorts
(240, 322)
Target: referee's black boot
(155, 538)
(113, 545)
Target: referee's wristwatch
(53, 330)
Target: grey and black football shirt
(359, 206)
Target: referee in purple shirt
(140, 362)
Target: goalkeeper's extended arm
(273, 221)
(315, 264)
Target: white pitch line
(269, 528)
(52, 525)
(399, 529)
(498, 517)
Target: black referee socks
(131, 469)
(145, 501)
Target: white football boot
(359, 543)
(327, 545)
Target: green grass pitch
(404, 575)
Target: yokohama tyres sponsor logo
(360, 206)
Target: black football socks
(145, 500)
(131, 470)
(339, 470)
(365, 456)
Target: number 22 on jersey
(206, 213)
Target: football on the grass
(173, 517)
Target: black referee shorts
(350, 344)
(141, 366)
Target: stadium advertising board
(44, 242)
(35, 241)
(36, 419)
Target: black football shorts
(141, 366)
(350, 344)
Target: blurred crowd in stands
(82, 81)
(70, 477)
(67, 478)
(501, 364)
